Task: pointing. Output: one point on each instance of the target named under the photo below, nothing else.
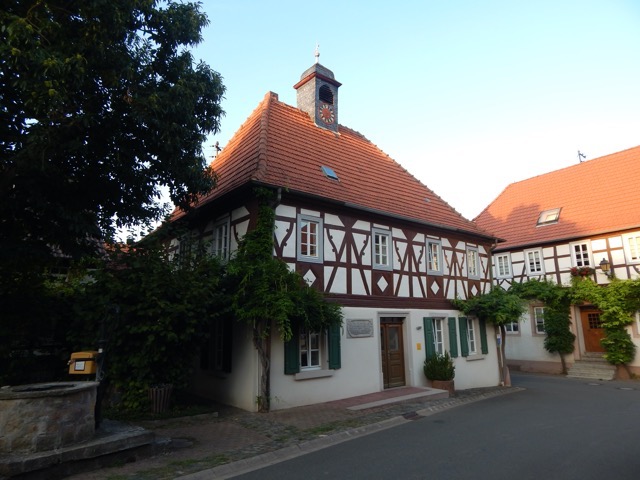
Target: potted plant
(440, 370)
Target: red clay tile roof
(596, 196)
(280, 146)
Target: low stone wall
(46, 416)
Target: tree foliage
(157, 316)
(101, 105)
(499, 306)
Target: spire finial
(317, 53)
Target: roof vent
(328, 171)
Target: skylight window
(328, 171)
(548, 217)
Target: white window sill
(473, 358)
(309, 374)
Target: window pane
(539, 318)
(381, 246)
(393, 345)
(581, 253)
(438, 338)
(472, 263)
(433, 252)
(471, 336)
(535, 263)
(309, 238)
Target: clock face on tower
(326, 113)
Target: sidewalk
(233, 441)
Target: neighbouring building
(358, 227)
(560, 224)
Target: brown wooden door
(392, 352)
(592, 330)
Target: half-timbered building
(568, 222)
(358, 227)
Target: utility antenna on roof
(581, 156)
(217, 149)
(317, 52)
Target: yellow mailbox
(83, 363)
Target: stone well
(46, 416)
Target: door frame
(401, 322)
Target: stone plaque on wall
(360, 328)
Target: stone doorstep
(432, 393)
(112, 438)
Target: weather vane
(317, 52)
(581, 156)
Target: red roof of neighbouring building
(596, 196)
(280, 146)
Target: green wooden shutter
(483, 337)
(292, 353)
(464, 340)
(453, 337)
(429, 342)
(334, 347)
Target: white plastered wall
(361, 369)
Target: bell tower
(317, 94)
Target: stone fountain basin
(46, 416)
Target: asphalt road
(558, 428)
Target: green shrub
(439, 367)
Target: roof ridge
(573, 166)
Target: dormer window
(548, 217)
(325, 95)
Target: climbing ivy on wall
(557, 314)
(618, 302)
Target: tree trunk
(505, 369)
(564, 364)
(261, 342)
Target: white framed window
(220, 239)
(310, 239)
(434, 257)
(538, 320)
(381, 249)
(438, 335)
(471, 337)
(309, 350)
(473, 263)
(512, 328)
(581, 255)
(534, 262)
(632, 247)
(503, 265)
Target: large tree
(101, 105)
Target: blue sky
(468, 96)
